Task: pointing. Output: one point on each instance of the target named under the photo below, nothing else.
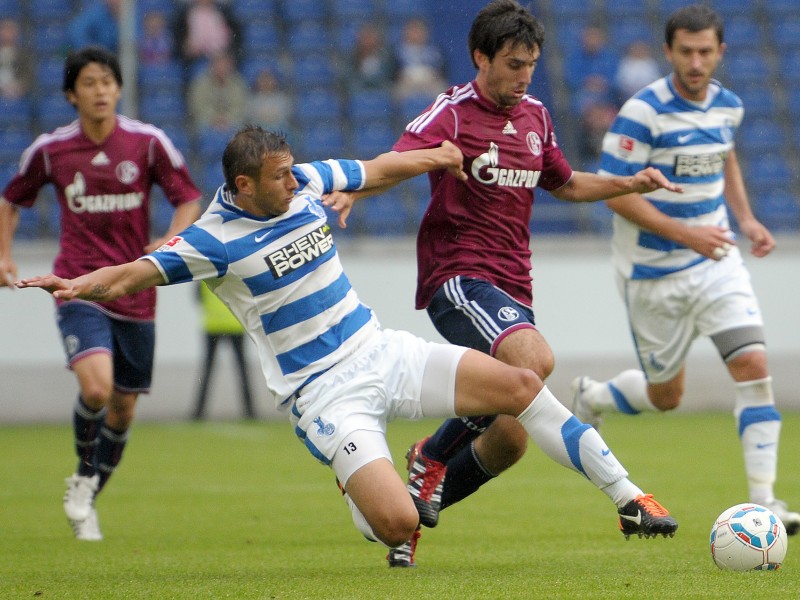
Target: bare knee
(525, 385)
(665, 399)
(395, 528)
(96, 395)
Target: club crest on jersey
(300, 252)
(485, 170)
(127, 172)
(534, 143)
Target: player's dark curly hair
(78, 59)
(694, 18)
(501, 21)
(244, 153)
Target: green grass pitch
(241, 510)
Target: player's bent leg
(374, 490)
(502, 445)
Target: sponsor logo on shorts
(507, 314)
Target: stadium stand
(307, 42)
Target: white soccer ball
(748, 537)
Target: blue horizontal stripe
(204, 243)
(325, 344)
(757, 414)
(632, 129)
(615, 166)
(651, 241)
(688, 210)
(305, 308)
(648, 272)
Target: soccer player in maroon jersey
(102, 166)
(473, 247)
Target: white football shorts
(401, 375)
(666, 315)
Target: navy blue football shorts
(473, 313)
(85, 330)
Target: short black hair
(501, 21)
(245, 152)
(78, 59)
(694, 18)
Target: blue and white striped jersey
(689, 143)
(280, 276)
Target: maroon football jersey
(480, 228)
(104, 193)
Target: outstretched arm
(589, 187)
(102, 285)
(9, 219)
(390, 168)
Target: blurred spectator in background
(592, 57)
(420, 64)
(155, 43)
(218, 96)
(96, 24)
(636, 69)
(372, 63)
(595, 104)
(268, 105)
(203, 29)
(220, 325)
(16, 65)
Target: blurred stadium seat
(758, 102)
(153, 78)
(371, 138)
(16, 113)
(370, 104)
(261, 36)
(255, 10)
(387, 215)
(404, 9)
(318, 104)
(50, 10)
(298, 11)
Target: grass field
(240, 510)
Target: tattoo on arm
(99, 292)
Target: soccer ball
(748, 537)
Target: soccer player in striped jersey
(678, 266)
(102, 166)
(265, 248)
(473, 247)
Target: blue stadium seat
(313, 69)
(758, 102)
(211, 144)
(373, 137)
(767, 170)
(50, 39)
(321, 140)
(261, 36)
(162, 108)
(786, 33)
(403, 9)
(386, 215)
(760, 135)
(787, 66)
(8, 168)
(344, 34)
(625, 9)
(345, 10)
(50, 75)
(370, 104)
(729, 9)
(321, 103)
(12, 143)
(180, 138)
(412, 106)
(780, 9)
(746, 67)
(296, 11)
(308, 36)
(742, 33)
(53, 111)
(49, 10)
(670, 6)
(623, 32)
(255, 10)
(551, 216)
(15, 113)
(10, 8)
(778, 209)
(166, 77)
(568, 9)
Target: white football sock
(625, 393)
(759, 425)
(576, 446)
